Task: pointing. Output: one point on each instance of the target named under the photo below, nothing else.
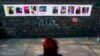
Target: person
(55, 10)
(42, 9)
(70, 10)
(78, 10)
(33, 9)
(85, 9)
(26, 10)
(63, 10)
(18, 10)
(11, 10)
(98, 36)
(50, 47)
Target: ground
(33, 47)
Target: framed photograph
(33, 9)
(63, 9)
(55, 9)
(78, 10)
(42, 9)
(18, 10)
(26, 10)
(10, 9)
(85, 10)
(71, 9)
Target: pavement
(33, 47)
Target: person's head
(50, 47)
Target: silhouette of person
(3, 34)
(50, 47)
(0, 24)
(1, 27)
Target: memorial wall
(57, 26)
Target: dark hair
(50, 47)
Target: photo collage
(47, 10)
